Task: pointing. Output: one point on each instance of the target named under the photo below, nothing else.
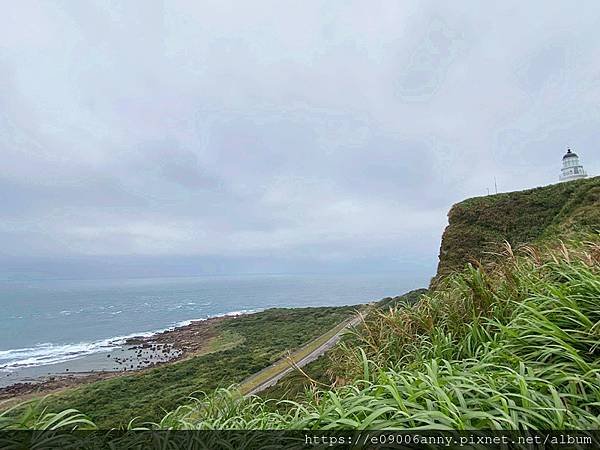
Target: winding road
(287, 367)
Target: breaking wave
(49, 353)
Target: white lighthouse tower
(571, 168)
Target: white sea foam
(48, 353)
(185, 323)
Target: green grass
(264, 375)
(35, 417)
(298, 384)
(319, 373)
(410, 298)
(512, 345)
(225, 340)
(245, 345)
(478, 226)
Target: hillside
(511, 343)
(239, 347)
(478, 225)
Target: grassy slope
(540, 215)
(323, 372)
(259, 378)
(507, 345)
(295, 385)
(513, 345)
(478, 225)
(262, 338)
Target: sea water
(47, 324)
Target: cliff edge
(477, 226)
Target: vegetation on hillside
(326, 371)
(478, 226)
(509, 345)
(259, 340)
(508, 341)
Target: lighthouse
(571, 167)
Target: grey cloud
(315, 134)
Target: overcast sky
(271, 136)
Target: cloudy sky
(273, 136)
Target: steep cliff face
(478, 225)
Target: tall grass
(34, 416)
(512, 345)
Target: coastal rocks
(15, 388)
(136, 354)
(49, 384)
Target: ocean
(47, 324)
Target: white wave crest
(49, 353)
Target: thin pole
(495, 185)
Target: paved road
(305, 360)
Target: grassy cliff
(478, 225)
(511, 343)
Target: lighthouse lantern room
(571, 168)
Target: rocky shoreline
(136, 355)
